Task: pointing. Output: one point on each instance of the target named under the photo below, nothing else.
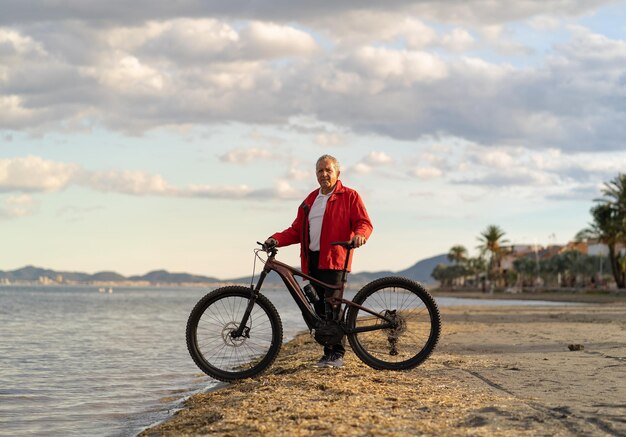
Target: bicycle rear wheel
(226, 358)
(417, 324)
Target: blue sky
(134, 138)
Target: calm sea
(75, 361)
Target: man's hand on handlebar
(271, 243)
(358, 240)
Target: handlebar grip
(267, 247)
(344, 244)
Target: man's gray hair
(330, 158)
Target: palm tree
(476, 266)
(457, 254)
(614, 192)
(527, 268)
(491, 239)
(441, 273)
(608, 228)
(609, 225)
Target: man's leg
(331, 277)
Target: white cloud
(132, 38)
(378, 158)
(216, 192)
(591, 52)
(498, 37)
(425, 173)
(126, 182)
(297, 172)
(371, 162)
(348, 83)
(362, 27)
(482, 72)
(187, 40)
(128, 75)
(14, 113)
(499, 159)
(458, 40)
(545, 23)
(404, 66)
(280, 10)
(372, 71)
(233, 77)
(418, 35)
(202, 41)
(386, 75)
(245, 156)
(34, 174)
(270, 40)
(520, 177)
(284, 190)
(12, 43)
(360, 168)
(328, 139)
(18, 206)
(551, 173)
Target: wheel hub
(229, 339)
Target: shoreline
(577, 296)
(502, 370)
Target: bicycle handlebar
(344, 244)
(266, 247)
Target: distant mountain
(36, 274)
(420, 272)
(163, 276)
(107, 277)
(31, 273)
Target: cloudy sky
(158, 134)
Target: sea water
(78, 361)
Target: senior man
(331, 213)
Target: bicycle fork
(243, 329)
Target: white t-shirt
(316, 216)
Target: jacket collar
(339, 189)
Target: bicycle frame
(312, 320)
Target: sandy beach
(497, 371)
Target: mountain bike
(235, 332)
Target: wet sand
(497, 371)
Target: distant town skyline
(140, 136)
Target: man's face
(327, 175)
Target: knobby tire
(417, 333)
(219, 355)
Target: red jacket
(345, 216)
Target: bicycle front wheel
(416, 324)
(228, 358)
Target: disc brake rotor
(228, 339)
